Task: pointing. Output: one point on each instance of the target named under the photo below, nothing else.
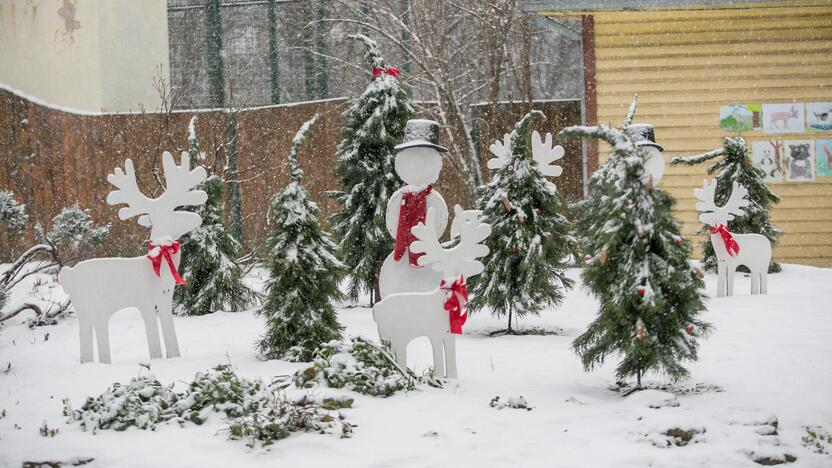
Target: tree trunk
(509, 331)
(376, 296)
(213, 40)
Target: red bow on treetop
(456, 302)
(392, 71)
(165, 250)
(730, 244)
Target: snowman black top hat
(421, 133)
(642, 135)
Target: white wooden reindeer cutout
(733, 250)
(102, 286)
(437, 314)
(542, 151)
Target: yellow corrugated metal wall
(687, 63)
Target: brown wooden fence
(52, 159)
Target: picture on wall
(768, 157)
(823, 159)
(800, 160)
(819, 116)
(784, 118)
(739, 117)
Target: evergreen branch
(698, 159)
(631, 111)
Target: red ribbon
(165, 250)
(730, 244)
(392, 71)
(412, 212)
(456, 307)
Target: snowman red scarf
(413, 211)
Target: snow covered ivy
(256, 411)
(357, 365)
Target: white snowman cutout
(418, 162)
(644, 138)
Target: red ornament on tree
(689, 329)
(640, 290)
(514, 250)
(587, 258)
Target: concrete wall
(89, 55)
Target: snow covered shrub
(143, 403)
(530, 241)
(373, 125)
(209, 253)
(73, 229)
(357, 365)
(303, 272)
(12, 214)
(278, 419)
(637, 265)
(817, 439)
(255, 410)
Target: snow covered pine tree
(639, 264)
(373, 125)
(209, 253)
(735, 166)
(304, 272)
(530, 239)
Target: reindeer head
(711, 214)
(460, 259)
(158, 214)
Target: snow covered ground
(769, 354)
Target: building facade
(690, 61)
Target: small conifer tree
(303, 272)
(734, 165)
(637, 266)
(373, 125)
(530, 241)
(209, 254)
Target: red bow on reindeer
(730, 244)
(456, 302)
(157, 252)
(392, 71)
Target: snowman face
(653, 163)
(418, 165)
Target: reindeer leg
(168, 331)
(450, 355)
(720, 278)
(151, 327)
(401, 354)
(730, 273)
(85, 326)
(102, 337)
(755, 282)
(764, 282)
(438, 358)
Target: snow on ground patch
(768, 354)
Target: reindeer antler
(732, 208)
(502, 151)
(545, 155)
(460, 259)
(179, 181)
(128, 192)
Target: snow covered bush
(373, 125)
(303, 272)
(142, 403)
(254, 410)
(357, 365)
(73, 232)
(12, 214)
(209, 253)
(637, 266)
(530, 242)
